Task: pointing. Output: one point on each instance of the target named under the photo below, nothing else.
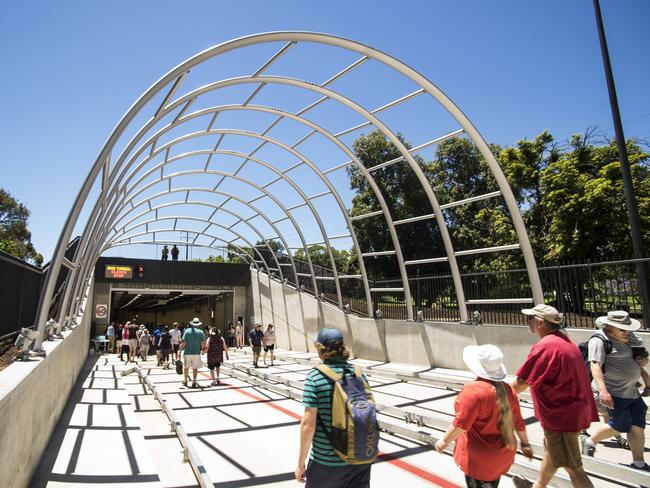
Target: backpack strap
(328, 372)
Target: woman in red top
(487, 416)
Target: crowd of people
(569, 389)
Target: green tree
(404, 198)
(15, 239)
(582, 199)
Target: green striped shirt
(318, 394)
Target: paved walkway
(113, 432)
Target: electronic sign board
(118, 271)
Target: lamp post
(628, 188)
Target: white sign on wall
(101, 311)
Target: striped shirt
(318, 394)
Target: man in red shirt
(556, 374)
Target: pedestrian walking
(269, 342)
(193, 346)
(616, 370)
(144, 342)
(255, 341)
(110, 333)
(126, 331)
(326, 428)
(175, 335)
(165, 253)
(133, 341)
(556, 374)
(239, 335)
(216, 348)
(230, 335)
(165, 347)
(487, 416)
(118, 340)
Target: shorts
(193, 361)
(119, 343)
(216, 364)
(175, 347)
(133, 343)
(165, 354)
(269, 348)
(257, 349)
(320, 476)
(626, 413)
(563, 449)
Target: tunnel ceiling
(249, 142)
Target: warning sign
(101, 311)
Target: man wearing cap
(325, 468)
(255, 340)
(192, 346)
(615, 376)
(555, 372)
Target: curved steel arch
(177, 74)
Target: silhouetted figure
(175, 252)
(165, 253)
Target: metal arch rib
(129, 237)
(259, 161)
(125, 231)
(270, 195)
(206, 204)
(247, 257)
(250, 157)
(147, 96)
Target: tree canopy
(15, 239)
(571, 199)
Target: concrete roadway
(113, 432)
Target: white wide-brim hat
(196, 322)
(619, 319)
(485, 361)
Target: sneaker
(521, 482)
(645, 467)
(621, 441)
(214, 383)
(194, 385)
(185, 384)
(585, 448)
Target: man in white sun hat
(559, 384)
(616, 373)
(193, 346)
(487, 417)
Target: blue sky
(72, 69)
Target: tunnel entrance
(152, 307)
(155, 292)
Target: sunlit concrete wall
(299, 316)
(33, 395)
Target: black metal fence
(582, 291)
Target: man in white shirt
(269, 342)
(176, 339)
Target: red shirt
(559, 384)
(480, 451)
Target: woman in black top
(165, 347)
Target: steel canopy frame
(116, 195)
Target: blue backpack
(355, 430)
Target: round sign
(100, 311)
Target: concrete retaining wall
(33, 395)
(299, 316)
